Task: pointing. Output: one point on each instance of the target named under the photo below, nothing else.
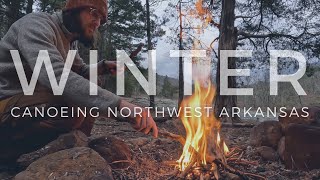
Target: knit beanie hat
(100, 5)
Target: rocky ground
(150, 154)
(146, 158)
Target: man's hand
(112, 66)
(136, 52)
(143, 123)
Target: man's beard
(88, 42)
(73, 23)
(85, 40)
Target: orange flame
(225, 149)
(198, 128)
(202, 128)
(201, 12)
(218, 139)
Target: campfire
(203, 141)
(205, 153)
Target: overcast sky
(165, 64)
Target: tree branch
(215, 24)
(261, 16)
(245, 17)
(262, 36)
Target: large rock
(300, 117)
(115, 151)
(73, 139)
(66, 141)
(80, 163)
(281, 147)
(267, 153)
(267, 133)
(302, 147)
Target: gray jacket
(42, 31)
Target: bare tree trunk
(152, 103)
(227, 41)
(29, 6)
(181, 79)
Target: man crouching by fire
(57, 33)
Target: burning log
(185, 172)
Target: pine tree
(167, 88)
(264, 25)
(125, 30)
(50, 5)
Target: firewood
(215, 170)
(185, 172)
(243, 175)
(213, 160)
(172, 136)
(170, 163)
(231, 170)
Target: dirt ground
(151, 155)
